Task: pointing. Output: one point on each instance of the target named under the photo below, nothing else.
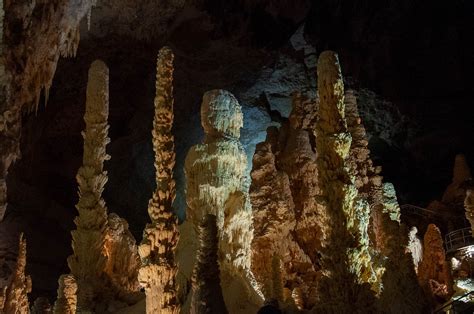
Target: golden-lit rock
(66, 303)
(216, 185)
(158, 272)
(14, 299)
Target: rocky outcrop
(158, 272)
(122, 262)
(15, 296)
(343, 288)
(289, 223)
(33, 37)
(66, 303)
(88, 262)
(216, 185)
(434, 272)
(207, 291)
(469, 206)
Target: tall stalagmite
(158, 272)
(66, 302)
(88, 262)
(207, 291)
(15, 298)
(434, 272)
(345, 260)
(216, 184)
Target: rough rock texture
(158, 272)
(216, 184)
(469, 206)
(434, 272)
(36, 34)
(122, 262)
(89, 260)
(41, 306)
(289, 223)
(415, 247)
(346, 260)
(207, 291)
(401, 292)
(66, 303)
(14, 298)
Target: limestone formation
(343, 288)
(469, 206)
(415, 247)
(216, 185)
(41, 306)
(434, 272)
(88, 262)
(66, 302)
(15, 299)
(455, 193)
(158, 272)
(207, 291)
(122, 262)
(288, 221)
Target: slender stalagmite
(15, 300)
(158, 272)
(88, 261)
(345, 257)
(67, 298)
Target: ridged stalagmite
(345, 261)
(158, 272)
(15, 297)
(66, 302)
(216, 184)
(88, 262)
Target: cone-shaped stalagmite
(345, 261)
(15, 298)
(158, 271)
(88, 261)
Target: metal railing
(449, 305)
(458, 239)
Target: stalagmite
(215, 172)
(66, 302)
(15, 299)
(158, 272)
(207, 291)
(434, 272)
(41, 306)
(345, 261)
(88, 262)
(455, 193)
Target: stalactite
(16, 295)
(158, 272)
(207, 291)
(88, 261)
(345, 261)
(66, 302)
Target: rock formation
(207, 291)
(434, 272)
(41, 306)
(15, 296)
(215, 172)
(343, 287)
(88, 262)
(415, 247)
(158, 272)
(66, 302)
(287, 219)
(33, 63)
(469, 206)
